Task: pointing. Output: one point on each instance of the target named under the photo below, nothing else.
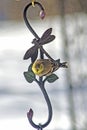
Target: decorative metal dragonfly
(33, 51)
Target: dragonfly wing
(34, 56)
(30, 52)
(46, 34)
(49, 39)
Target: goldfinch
(45, 67)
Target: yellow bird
(45, 67)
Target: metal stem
(30, 114)
(48, 104)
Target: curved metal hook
(26, 20)
(40, 82)
(30, 113)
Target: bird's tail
(64, 65)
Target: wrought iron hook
(30, 113)
(26, 20)
(40, 82)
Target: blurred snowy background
(68, 95)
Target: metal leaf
(29, 76)
(30, 68)
(52, 78)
